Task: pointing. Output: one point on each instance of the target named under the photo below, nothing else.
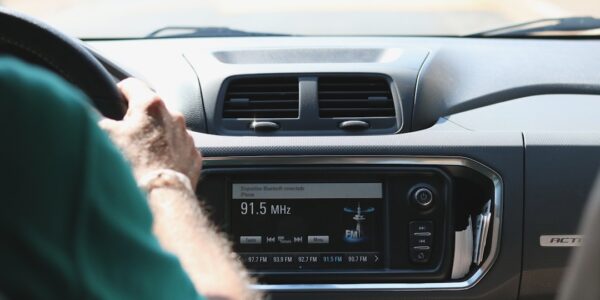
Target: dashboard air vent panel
(360, 96)
(262, 97)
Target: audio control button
(420, 241)
(420, 228)
(420, 254)
(416, 240)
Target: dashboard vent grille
(355, 96)
(262, 97)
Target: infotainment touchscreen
(308, 225)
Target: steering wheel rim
(38, 43)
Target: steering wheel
(39, 44)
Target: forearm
(183, 228)
(167, 165)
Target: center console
(388, 221)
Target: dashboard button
(337, 259)
(420, 254)
(307, 258)
(420, 228)
(358, 258)
(250, 239)
(423, 197)
(318, 239)
(255, 259)
(417, 240)
(279, 259)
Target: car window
(138, 18)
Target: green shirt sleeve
(73, 223)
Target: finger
(139, 96)
(178, 119)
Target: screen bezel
(215, 190)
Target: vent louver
(262, 97)
(355, 97)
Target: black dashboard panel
(546, 168)
(559, 175)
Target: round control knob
(423, 197)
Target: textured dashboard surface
(570, 113)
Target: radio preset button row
(311, 259)
(420, 241)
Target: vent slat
(363, 113)
(263, 85)
(355, 104)
(263, 101)
(387, 100)
(357, 92)
(355, 96)
(373, 109)
(262, 97)
(261, 113)
(275, 93)
(263, 104)
(258, 110)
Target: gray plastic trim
(468, 283)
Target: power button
(423, 197)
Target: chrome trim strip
(380, 160)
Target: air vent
(355, 97)
(261, 97)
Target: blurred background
(137, 18)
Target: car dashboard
(387, 167)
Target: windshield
(138, 18)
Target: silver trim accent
(381, 160)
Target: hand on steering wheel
(151, 137)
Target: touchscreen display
(308, 225)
